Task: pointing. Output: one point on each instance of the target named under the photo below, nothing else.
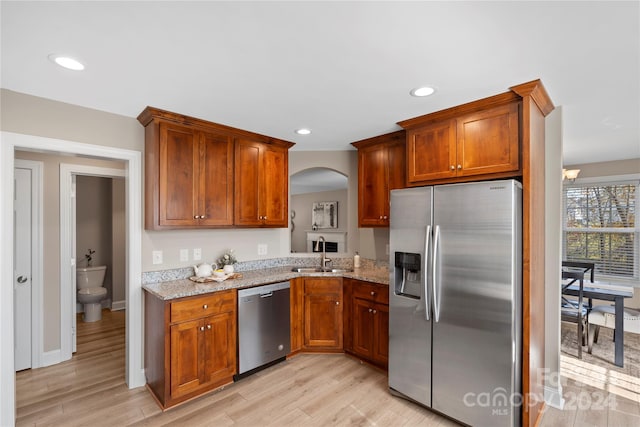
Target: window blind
(599, 226)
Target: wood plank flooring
(307, 390)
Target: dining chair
(605, 315)
(574, 310)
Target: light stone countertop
(185, 287)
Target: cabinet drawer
(220, 302)
(377, 293)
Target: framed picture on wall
(324, 215)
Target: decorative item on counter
(227, 260)
(89, 256)
(356, 260)
(203, 270)
(215, 278)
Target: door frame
(37, 239)
(9, 142)
(68, 247)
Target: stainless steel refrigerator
(455, 300)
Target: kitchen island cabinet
(190, 345)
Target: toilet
(90, 291)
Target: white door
(22, 268)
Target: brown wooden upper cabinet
(482, 142)
(190, 165)
(195, 180)
(381, 166)
(261, 178)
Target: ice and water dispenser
(408, 277)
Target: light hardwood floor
(307, 390)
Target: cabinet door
(247, 182)
(488, 141)
(323, 314)
(380, 350)
(219, 357)
(373, 187)
(215, 182)
(431, 152)
(274, 191)
(178, 170)
(363, 328)
(186, 371)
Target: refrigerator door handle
(427, 305)
(434, 271)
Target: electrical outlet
(197, 254)
(262, 249)
(184, 255)
(157, 257)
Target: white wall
(553, 255)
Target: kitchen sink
(320, 270)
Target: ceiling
(343, 69)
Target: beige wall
(345, 162)
(51, 235)
(119, 242)
(619, 167)
(302, 203)
(100, 226)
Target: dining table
(605, 294)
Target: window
(600, 227)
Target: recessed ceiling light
(67, 62)
(422, 91)
(303, 131)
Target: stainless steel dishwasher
(263, 325)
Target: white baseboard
(118, 305)
(49, 358)
(553, 396)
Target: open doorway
(133, 165)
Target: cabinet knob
(452, 167)
(375, 311)
(373, 293)
(202, 328)
(370, 310)
(205, 306)
(380, 217)
(208, 326)
(203, 216)
(196, 216)
(337, 302)
(459, 167)
(264, 217)
(385, 217)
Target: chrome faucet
(323, 257)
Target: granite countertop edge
(184, 287)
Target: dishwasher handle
(267, 295)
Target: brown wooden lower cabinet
(190, 345)
(367, 321)
(322, 314)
